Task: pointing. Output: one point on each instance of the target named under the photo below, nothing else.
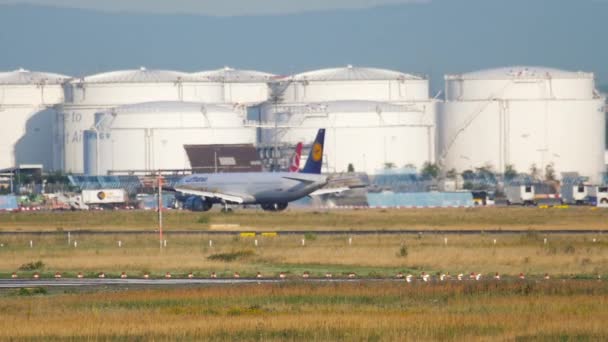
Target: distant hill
(434, 37)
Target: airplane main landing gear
(201, 204)
(274, 206)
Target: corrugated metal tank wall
(522, 116)
(151, 136)
(27, 115)
(369, 135)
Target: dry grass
(379, 255)
(384, 311)
(415, 219)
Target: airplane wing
(295, 178)
(212, 194)
(326, 191)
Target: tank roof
(520, 72)
(227, 74)
(352, 73)
(23, 77)
(352, 106)
(141, 75)
(170, 107)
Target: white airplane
(272, 190)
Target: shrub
(310, 236)
(32, 266)
(203, 220)
(403, 251)
(232, 256)
(31, 291)
(569, 249)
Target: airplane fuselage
(255, 187)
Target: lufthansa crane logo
(317, 152)
(101, 195)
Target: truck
(598, 195)
(104, 197)
(520, 194)
(575, 194)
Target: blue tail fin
(315, 158)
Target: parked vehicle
(520, 194)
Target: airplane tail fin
(315, 158)
(295, 160)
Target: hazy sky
(428, 37)
(214, 7)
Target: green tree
(534, 171)
(430, 170)
(510, 172)
(549, 172)
(389, 165)
(451, 174)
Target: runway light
(282, 275)
(36, 275)
(352, 275)
(424, 276)
(442, 277)
(472, 276)
(123, 275)
(57, 275)
(146, 275)
(408, 278)
(460, 275)
(237, 275)
(14, 275)
(522, 276)
(167, 275)
(258, 275)
(305, 274)
(497, 276)
(399, 275)
(190, 275)
(547, 276)
(101, 275)
(478, 276)
(213, 275)
(79, 275)
(329, 275)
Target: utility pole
(160, 210)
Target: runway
(378, 231)
(20, 283)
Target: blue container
(8, 202)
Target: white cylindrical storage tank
(369, 135)
(240, 86)
(86, 96)
(522, 116)
(27, 114)
(352, 83)
(151, 136)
